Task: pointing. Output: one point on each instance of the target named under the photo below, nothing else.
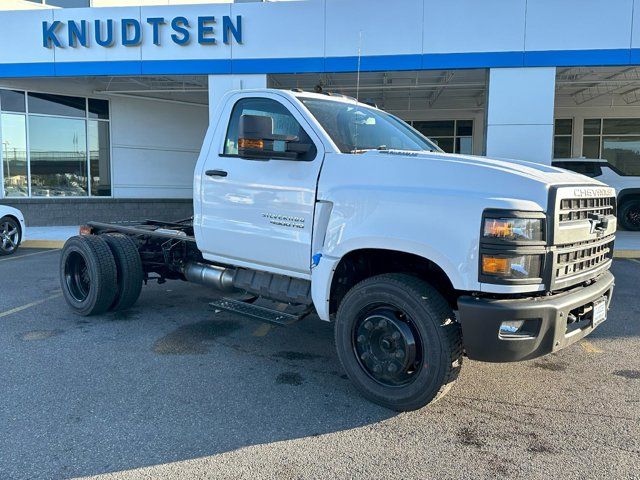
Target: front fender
(323, 273)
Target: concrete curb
(42, 244)
(626, 254)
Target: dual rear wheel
(100, 273)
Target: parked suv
(627, 186)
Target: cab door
(259, 213)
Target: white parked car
(627, 186)
(12, 229)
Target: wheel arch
(360, 264)
(626, 194)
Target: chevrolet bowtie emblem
(599, 223)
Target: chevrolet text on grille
(592, 192)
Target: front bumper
(547, 316)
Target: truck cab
(419, 257)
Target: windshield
(356, 128)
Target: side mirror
(256, 140)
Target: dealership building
(104, 107)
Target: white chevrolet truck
(317, 204)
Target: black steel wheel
(77, 277)
(10, 235)
(388, 346)
(629, 215)
(398, 342)
(88, 275)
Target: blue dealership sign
(129, 32)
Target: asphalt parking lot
(173, 389)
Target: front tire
(88, 275)
(10, 236)
(629, 215)
(398, 342)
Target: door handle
(216, 173)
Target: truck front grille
(582, 233)
(575, 260)
(572, 209)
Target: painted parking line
(29, 305)
(17, 257)
(590, 347)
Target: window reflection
(12, 101)
(58, 152)
(14, 155)
(58, 136)
(616, 140)
(452, 136)
(49, 104)
(623, 153)
(99, 156)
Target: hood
(524, 169)
(7, 210)
(507, 183)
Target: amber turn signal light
(249, 143)
(495, 265)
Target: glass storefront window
(98, 109)
(621, 126)
(452, 136)
(14, 155)
(99, 156)
(591, 147)
(562, 133)
(616, 140)
(593, 126)
(61, 105)
(58, 153)
(623, 153)
(54, 145)
(12, 101)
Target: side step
(265, 314)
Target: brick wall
(76, 211)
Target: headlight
(512, 267)
(513, 229)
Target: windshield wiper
(381, 148)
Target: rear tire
(629, 215)
(129, 270)
(88, 275)
(398, 342)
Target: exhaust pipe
(209, 275)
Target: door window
(284, 123)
